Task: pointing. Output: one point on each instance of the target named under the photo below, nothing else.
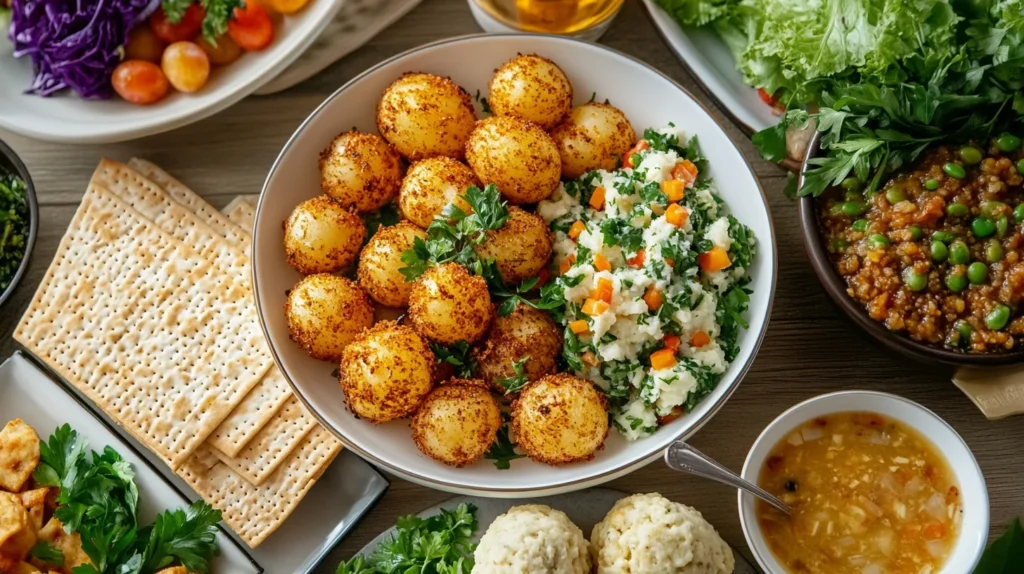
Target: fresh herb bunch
(215, 23)
(13, 226)
(99, 500)
(441, 544)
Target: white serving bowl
(974, 525)
(647, 97)
(66, 118)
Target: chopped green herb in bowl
(14, 227)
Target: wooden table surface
(809, 348)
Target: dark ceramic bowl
(836, 289)
(10, 163)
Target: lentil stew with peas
(938, 252)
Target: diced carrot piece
(674, 189)
(604, 290)
(576, 229)
(699, 339)
(590, 359)
(639, 147)
(934, 531)
(653, 298)
(579, 327)
(663, 359)
(685, 171)
(601, 263)
(714, 260)
(594, 307)
(637, 261)
(670, 262)
(597, 198)
(567, 263)
(677, 215)
(671, 342)
(542, 278)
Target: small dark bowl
(11, 163)
(836, 289)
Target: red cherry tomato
(766, 97)
(251, 27)
(186, 29)
(143, 44)
(139, 82)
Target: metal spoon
(683, 457)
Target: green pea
(983, 226)
(977, 273)
(853, 195)
(939, 251)
(1002, 226)
(956, 281)
(954, 170)
(895, 195)
(1018, 212)
(851, 184)
(970, 154)
(991, 208)
(957, 209)
(915, 232)
(1008, 142)
(959, 254)
(853, 208)
(1020, 166)
(964, 329)
(877, 241)
(998, 317)
(860, 225)
(931, 184)
(913, 280)
(839, 244)
(943, 236)
(993, 251)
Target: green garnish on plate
(13, 226)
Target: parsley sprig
(458, 354)
(516, 382)
(215, 23)
(503, 451)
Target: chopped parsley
(458, 354)
(515, 383)
(503, 451)
(13, 226)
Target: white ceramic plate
(67, 118)
(712, 64)
(648, 98)
(27, 393)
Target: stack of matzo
(147, 309)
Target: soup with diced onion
(869, 496)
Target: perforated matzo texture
(151, 332)
(241, 212)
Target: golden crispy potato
(174, 570)
(34, 502)
(423, 116)
(14, 522)
(457, 422)
(594, 136)
(325, 313)
(532, 88)
(527, 332)
(360, 171)
(448, 304)
(560, 419)
(387, 372)
(70, 544)
(430, 185)
(381, 260)
(322, 236)
(23, 568)
(515, 155)
(521, 248)
(19, 454)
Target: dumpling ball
(380, 263)
(448, 304)
(325, 313)
(387, 372)
(520, 248)
(526, 332)
(560, 419)
(360, 171)
(594, 136)
(517, 156)
(649, 533)
(532, 538)
(322, 236)
(533, 88)
(457, 422)
(430, 185)
(423, 116)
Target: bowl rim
(553, 487)
(834, 286)
(752, 532)
(33, 218)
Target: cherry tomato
(144, 44)
(251, 27)
(186, 29)
(186, 66)
(225, 52)
(139, 82)
(766, 97)
(286, 6)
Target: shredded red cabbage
(74, 44)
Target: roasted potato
(521, 248)
(23, 568)
(594, 136)
(386, 372)
(322, 236)
(457, 422)
(423, 116)
(70, 544)
(527, 332)
(19, 455)
(532, 88)
(381, 261)
(560, 419)
(16, 533)
(360, 170)
(34, 502)
(325, 313)
(430, 185)
(448, 304)
(515, 155)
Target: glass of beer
(579, 18)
